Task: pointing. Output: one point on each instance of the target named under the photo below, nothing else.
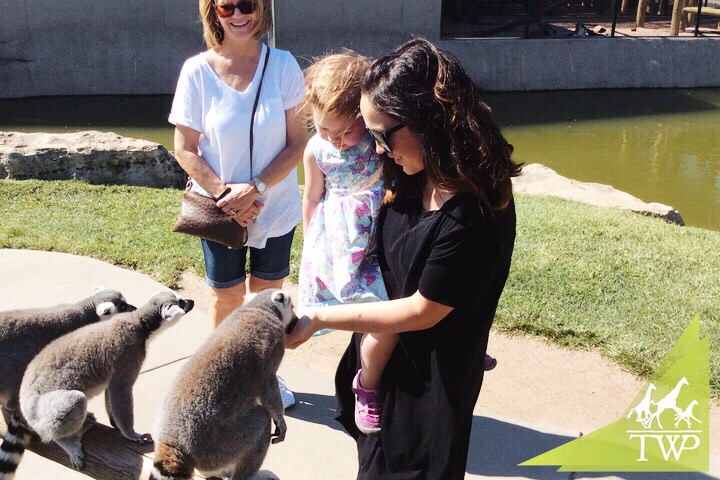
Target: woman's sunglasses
(382, 138)
(227, 10)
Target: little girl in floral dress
(343, 190)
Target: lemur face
(172, 306)
(283, 302)
(280, 299)
(111, 302)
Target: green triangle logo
(665, 428)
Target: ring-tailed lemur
(23, 333)
(216, 416)
(104, 356)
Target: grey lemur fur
(104, 356)
(216, 416)
(23, 333)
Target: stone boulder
(95, 157)
(540, 180)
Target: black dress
(458, 256)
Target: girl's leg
(375, 352)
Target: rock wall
(96, 157)
(538, 179)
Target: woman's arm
(242, 195)
(186, 153)
(314, 187)
(394, 316)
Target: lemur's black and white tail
(170, 464)
(17, 438)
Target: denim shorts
(225, 267)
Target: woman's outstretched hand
(304, 328)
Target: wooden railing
(108, 455)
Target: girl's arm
(186, 153)
(314, 187)
(242, 195)
(394, 316)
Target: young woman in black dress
(445, 240)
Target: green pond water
(658, 145)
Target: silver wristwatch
(259, 185)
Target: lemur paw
(143, 439)
(78, 460)
(279, 434)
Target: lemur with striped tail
(106, 356)
(23, 334)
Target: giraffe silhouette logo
(646, 417)
(666, 429)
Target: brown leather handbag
(201, 217)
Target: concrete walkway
(538, 397)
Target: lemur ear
(98, 289)
(171, 312)
(155, 294)
(249, 296)
(105, 309)
(280, 296)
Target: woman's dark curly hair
(463, 150)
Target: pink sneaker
(490, 363)
(368, 407)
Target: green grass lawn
(582, 276)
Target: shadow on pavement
(315, 408)
(497, 447)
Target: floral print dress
(339, 264)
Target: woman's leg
(375, 352)
(223, 301)
(225, 274)
(270, 265)
(256, 284)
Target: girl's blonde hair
(213, 32)
(333, 83)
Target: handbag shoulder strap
(252, 117)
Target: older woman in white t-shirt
(212, 113)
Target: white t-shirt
(204, 102)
